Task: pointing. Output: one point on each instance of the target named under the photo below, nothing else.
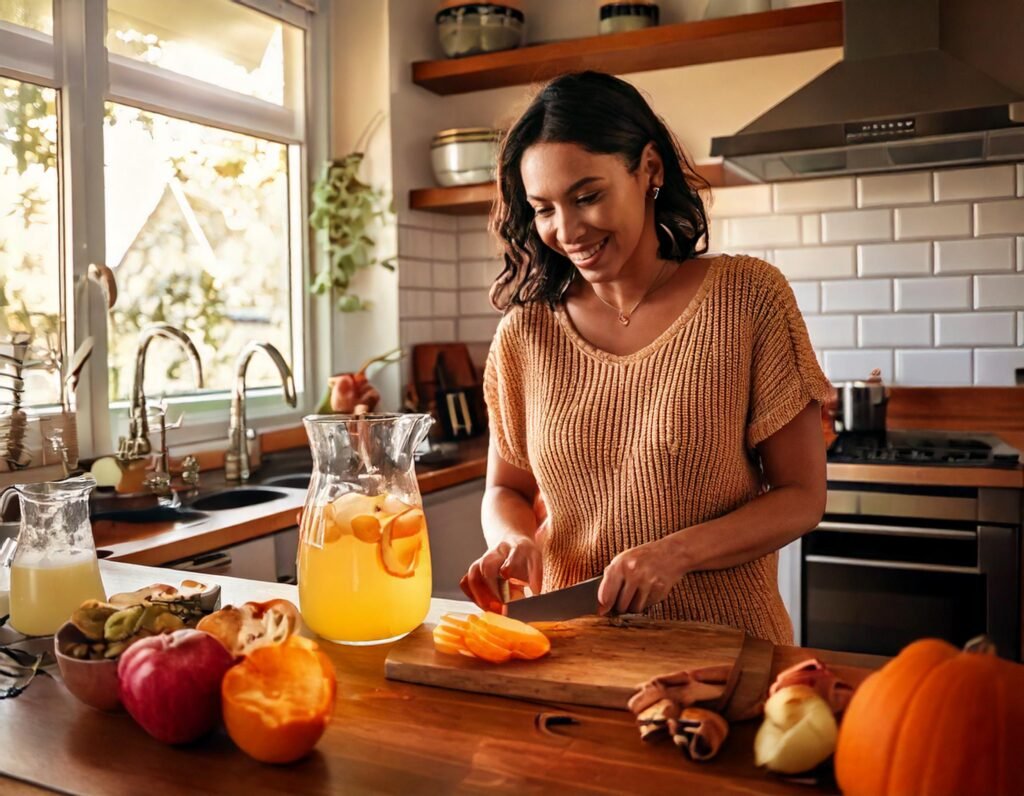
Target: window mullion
(79, 32)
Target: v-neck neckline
(670, 331)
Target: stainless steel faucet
(237, 465)
(136, 444)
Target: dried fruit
(252, 625)
(91, 617)
(798, 733)
(123, 623)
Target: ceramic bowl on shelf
(465, 156)
(473, 28)
(618, 17)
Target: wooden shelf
(476, 200)
(787, 30)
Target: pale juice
(44, 593)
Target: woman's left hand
(639, 577)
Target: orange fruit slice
(409, 523)
(523, 640)
(478, 644)
(399, 556)
(366, 528)
(278, 701)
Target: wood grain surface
(386, 737)
(593, 660)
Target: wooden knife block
(462, 378)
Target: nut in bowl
(93, 682)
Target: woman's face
(589, 207)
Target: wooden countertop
(386, 737)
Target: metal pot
(861, 406)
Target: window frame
(77, 64)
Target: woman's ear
(651, 165)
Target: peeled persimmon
(408, 523)
(523, 640)
(278, 701)
(482, 648)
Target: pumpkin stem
(981, 645)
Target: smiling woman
(665, 404)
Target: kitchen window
(202, 112)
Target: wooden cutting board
(594, 661)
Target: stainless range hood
(922, 83)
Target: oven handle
(894, 530)
(870, 562)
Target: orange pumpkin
(935, 720)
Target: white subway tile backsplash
(994, 367)
(444, 330)
(832, 331)
(935, 293)
(477, 245)
(949, 368)
(808, 296)
(1020, 179)
(974, 256)
(414, 242)
(442, 222)
(827, 194)
(975, 328)
(855, 226)
(443, 246)
(478, 330)
(999, 218)
(472, 223)
(985, 182)
(416, 332)
(821, 262)
(480, 273)
(741, 200)
(420, 303)
(446, 275)
(413, 273)
(857, 295)
(1020, 328)
(1020, 253)
(894, 189)
(853, 365)
(895, 259)
(890, 331)
(999, 292)
(939, 221)
(761, 231)
(445, 303)
(810, 229)
(475, 302)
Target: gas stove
(930, 448)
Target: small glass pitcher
(55, 568)
(364, 558)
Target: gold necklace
(625, 317)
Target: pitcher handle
(5, 498)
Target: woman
(665, 404)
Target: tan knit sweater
(627, 449)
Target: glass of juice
(364, 558)
(55, 567)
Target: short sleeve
(505, 393)
(785, 374)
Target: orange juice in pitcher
(364, 558)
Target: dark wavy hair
(606, 116)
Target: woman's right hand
(517, 559)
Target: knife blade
(578, 600)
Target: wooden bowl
(92, 682)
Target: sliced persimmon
(522, 639)
(409, 523)
(448, 648)
(461, 621)
(440, 633)
(366, 528)
(477, 627)
(482, 648)
(399, 556)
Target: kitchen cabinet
(456, 535)
(789, 584)
(255, 559)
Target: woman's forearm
(506, 514)
(768, 522)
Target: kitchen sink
(291, 480)
(148, 514)
(236, 498)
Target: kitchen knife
(578, 600)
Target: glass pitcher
(364, 559)
(54, 569)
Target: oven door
(874, 588)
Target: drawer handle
(206, 562)
(894, 530)
(907, 565)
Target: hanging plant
(347, 211)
